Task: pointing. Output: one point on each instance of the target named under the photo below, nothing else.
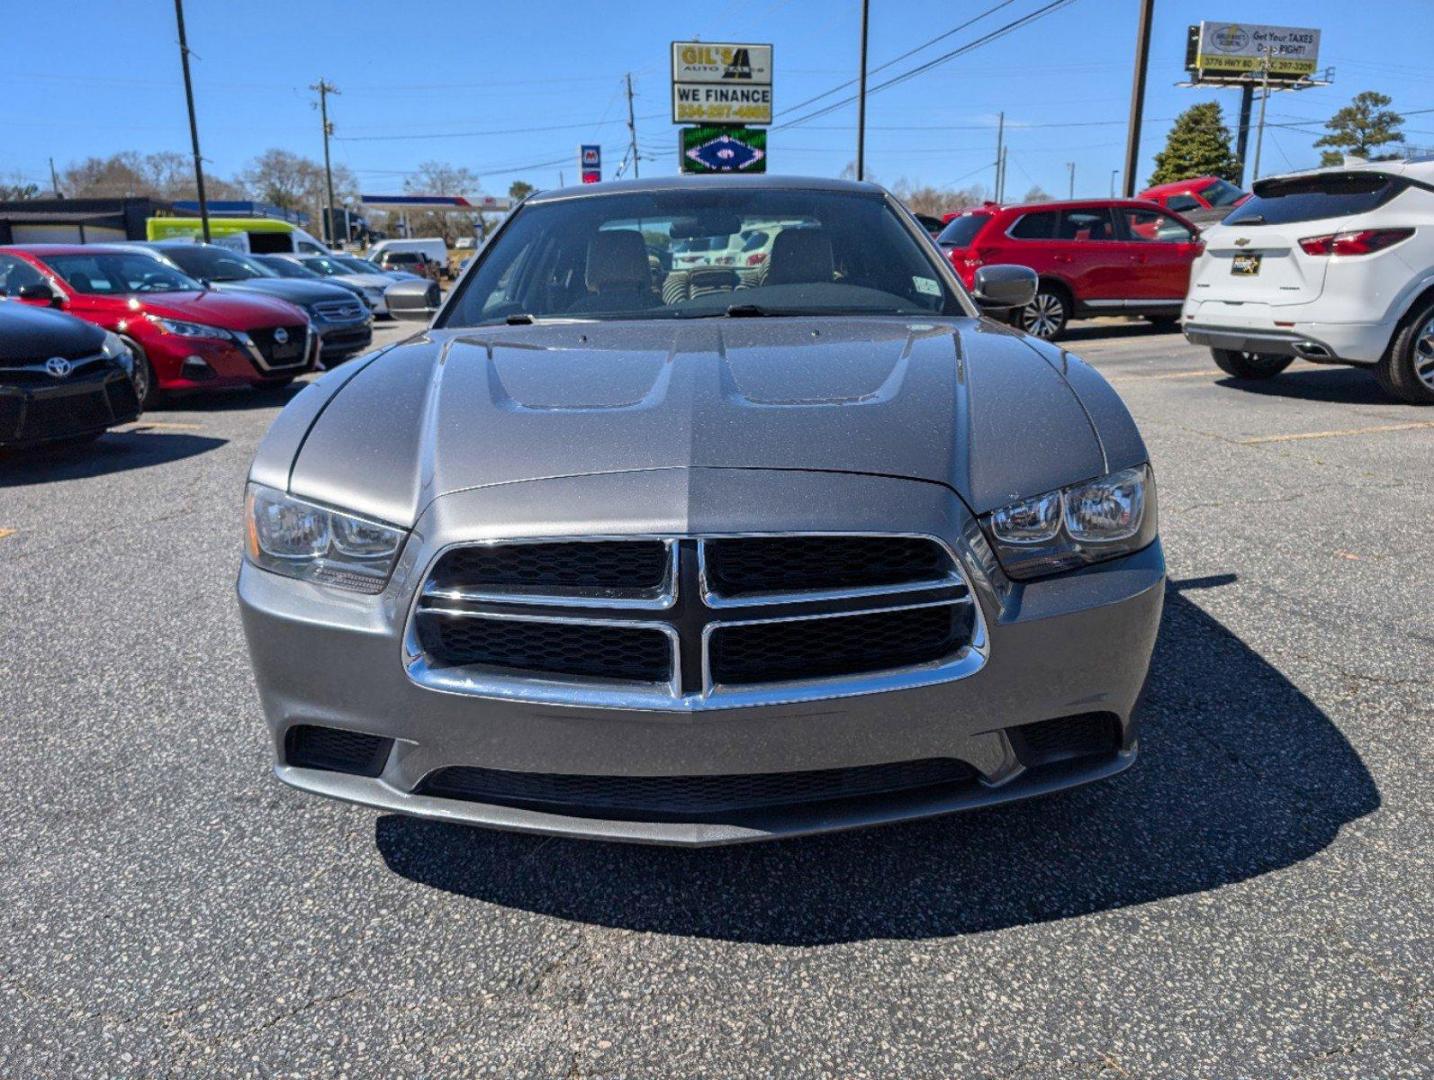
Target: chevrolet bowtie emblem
(1242, 241)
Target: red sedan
(183, 335)
(1093, 257)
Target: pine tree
(1198, 145)
(1360, 128)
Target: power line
(494, 131)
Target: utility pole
(1264, 97)
(632, 126)
(1137, 96)
(1242, 140)
(861, 99)
(54, 180)
(1005, 152)
(193, 126)
(324, 88)
(1000, 153)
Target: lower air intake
(1067, 737)
(310, 746)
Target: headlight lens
(316, 543)
(1078, 525)
(190, 329)
(115, 349)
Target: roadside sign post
(724, 90)
(590, 163)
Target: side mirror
(1004, 286)
(42, 292)
(413, 300)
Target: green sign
(713, 148)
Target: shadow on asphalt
(1337, 384)
(114, 452)
(1240, 774)
(230, 399)
(1106, 331)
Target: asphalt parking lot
(1252, 899)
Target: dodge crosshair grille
(693, 622)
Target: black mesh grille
(653, 797)
(793, 563)
(1068, 736)
(123, 402)
(627, 653)
(843, 645)
(313, 747)
(606, 564)
(10, 406)
(56, 417)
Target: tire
(1046, 316)
(1246, 365)
(1406, 370)
(145, 386)
(275, 384)
(1165, 324)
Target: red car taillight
(756, 258)
(1362, 242)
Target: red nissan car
(1093, 257)
(183, 335)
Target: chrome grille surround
(652, 609)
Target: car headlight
(315, 543)
(190, 329)
(115, 349)
(1075, 526)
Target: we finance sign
(716, 82)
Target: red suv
(1097, 257)
(1202, 200)
(183, 335)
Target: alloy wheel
(140, 376)
(1044, 316)
(1424, 354)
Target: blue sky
(510, 89)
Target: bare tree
(166, 174)
(295, 182)
(441, 178)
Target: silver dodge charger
(784, 539)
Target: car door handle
(1060, 258)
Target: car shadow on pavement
(113, 452)
(1081, 331)
(1335, 384)
(232, 399)
(1240, 774)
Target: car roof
(1418, 168)
(1056, 204)
(1193, 183)
(681, 183)
(73, 249)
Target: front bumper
(1077, 644)
(343, 339)
(33, 413)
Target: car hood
(365, 281)
(28, 334)
(962, 403)
(233, 310)
(295, 290)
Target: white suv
(1334, 266)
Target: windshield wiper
(753, 311)
(520, 318)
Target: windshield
(325, 266)
(115, 274)
(216, 264)
(1223, 193)
(962, 230)
(680, 254)
(358, 266)
(285, 267)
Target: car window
(1038, 226)
(1094, 224)
(962, 229)
(604, 256)
(116, 274)
(1181, 203)
(324, 266)
(1314, 197)
(1222, 193)
(214, 264)
(1152, 226)
(15, 273)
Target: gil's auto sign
(721, 83)
(1242, 48)
(713, 149)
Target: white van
(433, 247)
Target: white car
(1334, 266)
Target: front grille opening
(761, 564)
(656, 798)
(312, 746)
(839, 645)
(625, 653)
(1080, 735)
(629, 565)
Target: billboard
(590, 163)
(721, 83)
(1235, 49)
(714, 149)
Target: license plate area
(1245, 264)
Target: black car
(61, 379)
(342, 321)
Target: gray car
(692, 558)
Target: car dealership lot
(1251, 899)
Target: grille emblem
(59, 367)
(281, 336)
(1243, 241)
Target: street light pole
(861, 98)
(1070, 168)
(324, 89)
(1113, 174)
(1264, 97)
(193, 125)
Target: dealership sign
(590, 163)
(713, 149)
(1241, 49)
(721, 83)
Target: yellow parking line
(6, 532)
(1164, 375)
(164, 425)
(1336, 434)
